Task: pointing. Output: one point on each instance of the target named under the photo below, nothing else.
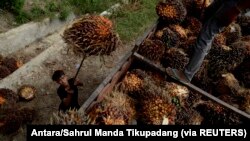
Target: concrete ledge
(17, 38)
(12, 82)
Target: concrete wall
(17, 38)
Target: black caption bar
(172, 132)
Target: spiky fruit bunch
(187, 45)
(27, 114)
(219, 39)
(152, 49)
(193, 25)
(177, 91)
(1, 59)
(12, 64)
(189, 4)
(232, 33)
(246, 104)
(70, 117)
(217, 114)
(181, 32)
(158, 34)
(188, 116)
(202, 79)
(116, 108)
(242, 73)
(27, 92)
(132, 83)
(244, 22)
(8, 99)
(243, 44)
(228, 84)
(158, 78)
(171, 11)
(223, 59)
(153, 111)
(4, 72)
(92, 34)
(11, 123)
(170, 38)
(200, 6)
(175, 58)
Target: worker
(218, 15)
(67, 91)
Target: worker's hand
(227, 15)
(78, 83)
(69, 90)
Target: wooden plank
(191, 86)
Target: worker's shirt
(62, 93)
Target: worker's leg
(205, 39)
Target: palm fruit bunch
(228, 84)
(92, 35)
(219, 39)
(243, 44)
(153, 111)
(8, 100)
(1, 59)
(70, 117)
(116, 108)
(244, 22)
(4, 71)
(152, 49)
(171, 11)
(187, 46)
(223, 59)
(158, 34)
(132, 83)
(229, 87)
(242, 73)
(194, 98)
(232, 33)
(181, 32)
(188, 116)
(217, 115)
(246, 104)
(10, 123)
(199, 7)
(189, 5)
(27, 92)
(175, 58)
(201, 78)
(27, 114)
(156, 110)
(178, 92)
(193, 26)
(12, 64)
(156, 77)
(170, 38)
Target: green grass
(131, 24)
(130, 20)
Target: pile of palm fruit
(8, 65)
(224, 73)
(92, 35)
